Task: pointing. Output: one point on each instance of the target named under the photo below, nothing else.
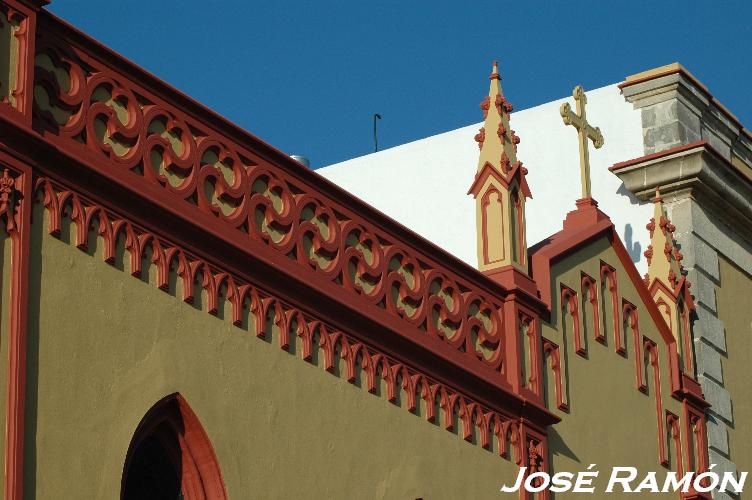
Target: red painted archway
(170, 455)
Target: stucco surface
(610, 423)
(423, 184)
(734, 306)
(104, 347)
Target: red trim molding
(266, 206)
(15, 210)
(482, 410)
(172, 422)
(584, 225)
(590, 294)
(551, 349)
(570, 308)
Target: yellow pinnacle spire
(666, 282)
(496, 140)
(499, 187)
(664, 258)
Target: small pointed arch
(170, 456)
(517, 226)
(492, 225)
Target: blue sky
(307, 76)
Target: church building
(187, 312)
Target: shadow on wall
(633, 247)
(626, 192)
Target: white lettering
(712, 481)
(584, 481)
(624, 481)
(517, 483)
(649, 484)
(533, 478)
(737, 486)
(561, 482)
(671, 482)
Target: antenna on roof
(376, 116)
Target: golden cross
(585, 132)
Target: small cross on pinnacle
(584, 131)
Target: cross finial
(584, 131)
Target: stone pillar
(701, 157)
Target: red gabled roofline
(570, 239)
(545, 253)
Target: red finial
(495, 71)
(657, 195)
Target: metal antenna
(376, 116)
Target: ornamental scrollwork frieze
(92, 111)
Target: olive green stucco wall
(610, 423)
(104, 347)
(734, 305)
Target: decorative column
(500, 190)
(18, 22)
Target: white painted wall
(423, 184)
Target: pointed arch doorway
(170, 457)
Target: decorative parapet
(254, 195)
(492, 423)
(101, 126)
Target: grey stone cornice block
(698, 171)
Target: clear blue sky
(307, 76)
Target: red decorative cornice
(252, 307)
(244, 192)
